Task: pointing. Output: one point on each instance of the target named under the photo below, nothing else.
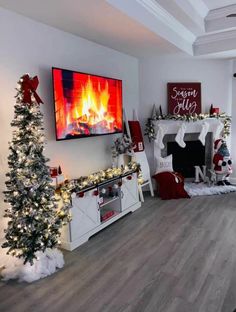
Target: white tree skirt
(46, 264)
(199, 189)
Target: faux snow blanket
(46, 264)
(200, 189)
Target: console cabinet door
(129, 191)
(85, 214)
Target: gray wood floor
(170, 256)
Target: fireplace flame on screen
(92, 111)
(94, 105)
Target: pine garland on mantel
(150, 127)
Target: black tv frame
(91, 135)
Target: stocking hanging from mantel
(218, 129)
(161, 131)
(180, 135)
(203, 133)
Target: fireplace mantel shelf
(172, 126)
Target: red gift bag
(170, 185)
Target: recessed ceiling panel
(216, 4)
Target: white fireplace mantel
(172, 126)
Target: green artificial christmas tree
(34, 219)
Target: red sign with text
(184, 98)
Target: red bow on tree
(29, 85)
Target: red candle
(215, 110)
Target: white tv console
(97, 207)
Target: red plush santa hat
(218, 144)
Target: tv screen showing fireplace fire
(86, 105)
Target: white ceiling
(95, 20)
(141, 27)
(216, 4)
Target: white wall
(28, 46)
(215, 77)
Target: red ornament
(129, 178)
(119, 184)
(29, 85)
(53, 172)
(81, 194)
(95, 193)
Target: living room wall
(31, 47)
(215, 77)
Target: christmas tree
(34, 219)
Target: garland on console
(82, 183)
(150, 127)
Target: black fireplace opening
(184, 159)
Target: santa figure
(222, 162)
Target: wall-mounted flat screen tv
(86, 105)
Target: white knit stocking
(203, 133)
(217, 132)
(160, 135)
(180, 135)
